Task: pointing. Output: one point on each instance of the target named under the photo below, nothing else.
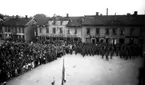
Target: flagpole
(63, 73)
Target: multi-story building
(74, 28)
(113, 28)
(52, 28)
(17, 28)
(42, 28)
(57, 27)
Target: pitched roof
(59, 18)
(75, 22)
(42, 21)
(17, 21)
(93, 21)
(115, 20)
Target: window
(122, 31)
(23, 37)
(54, 30)
(15, 29)
(47, 30)
(114, 30)
(22, 30)
(40, 30)
(88, 31)
(75, 31)
(121, 41)
(107, 31)
(68, 31)
(97, 31)
(131, 31)
(61, 22)
(60, 30)
(19, 29)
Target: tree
(1, 16)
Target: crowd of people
(17, 58)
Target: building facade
(53, 28)
(115, 29)
(16, 28)
(74, 28)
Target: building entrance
(93, 41)
(121, 41)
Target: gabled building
(57, 27)
(31, 30)
(53, 28)
(16, 28)
(74, 28)
(42, 27)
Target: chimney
(54, 15)
(67, 15)
(107, 11)
(135, 13)
(26, 16)
(17, 16)
(97, 13)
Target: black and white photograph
(72, 42)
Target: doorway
(93, 41)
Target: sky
(72, 7)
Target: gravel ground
(88, 70)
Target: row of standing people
(125, 51)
